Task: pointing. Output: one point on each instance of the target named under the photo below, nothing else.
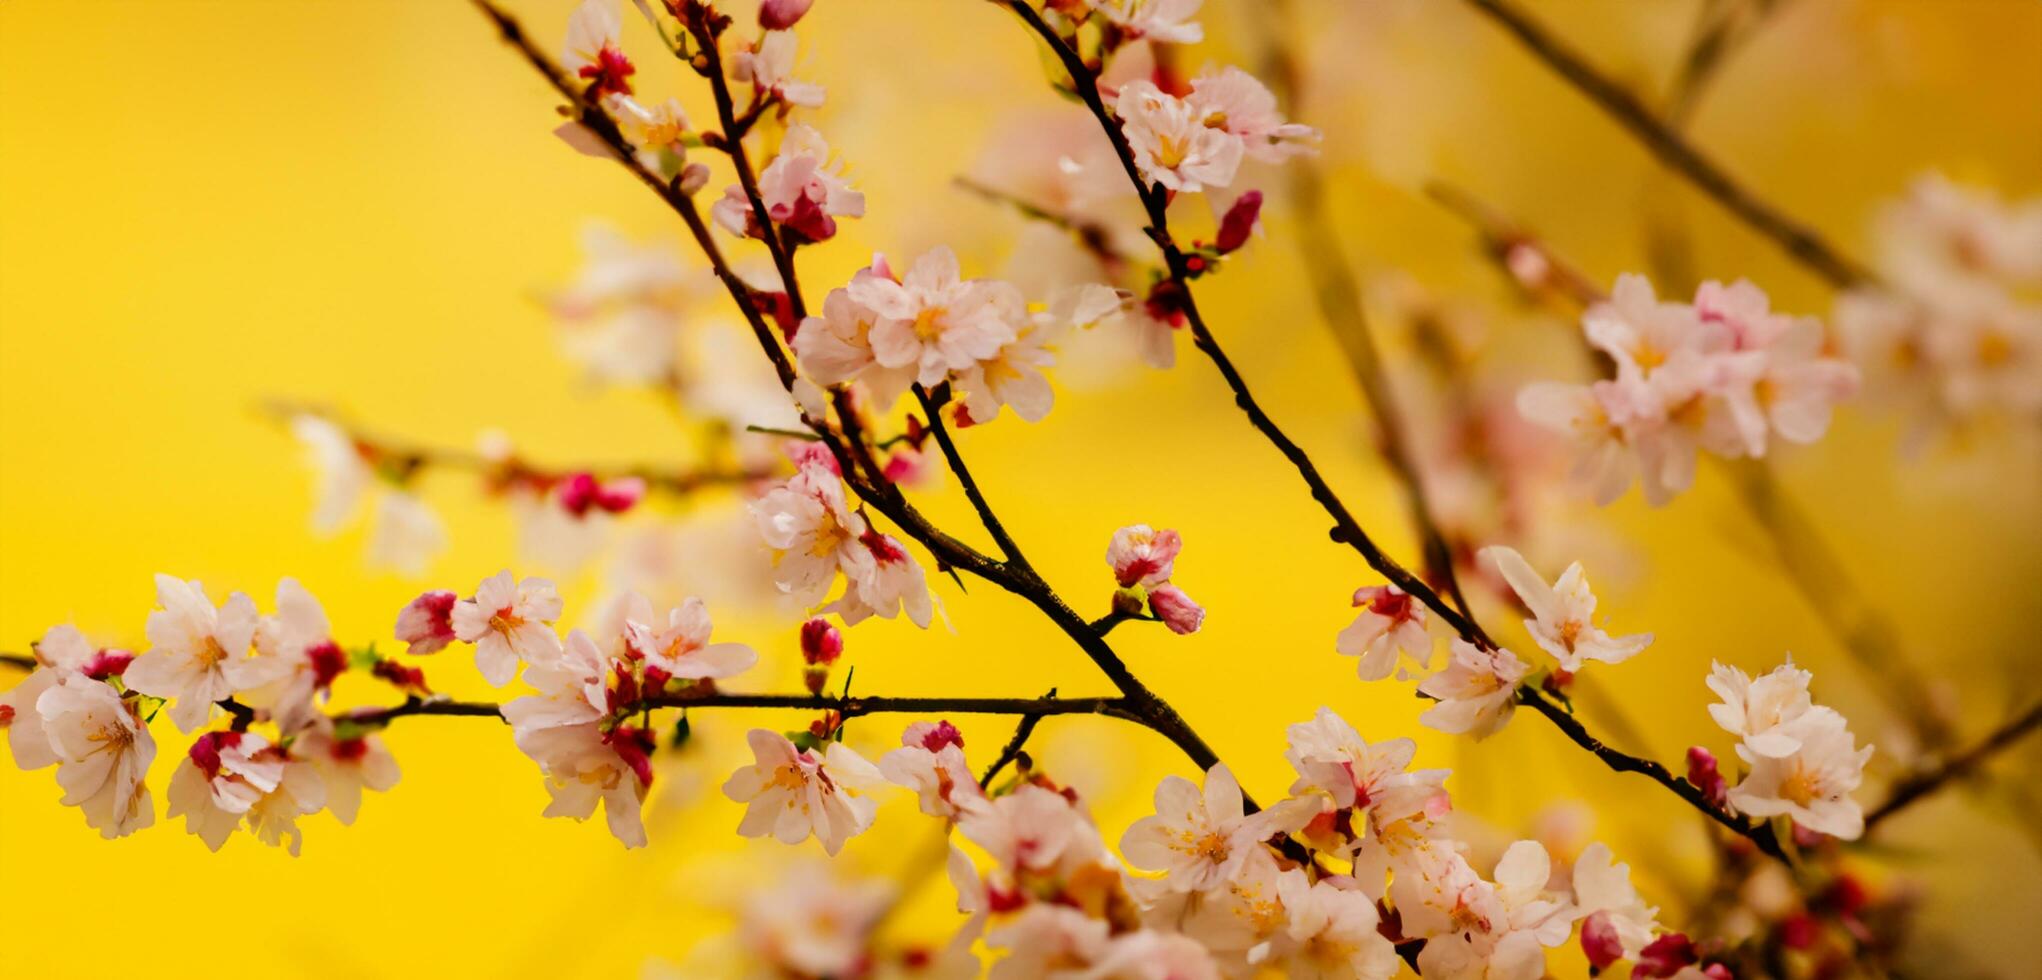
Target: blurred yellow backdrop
(206, 204)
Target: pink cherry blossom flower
(792, 793)
(346, 767)
(895, 584)
(779, 15)
(102, 750)
(1199, 838)
(1331, 932)
(1232, 100)
(198, 654)
(298, 642)
(1152, 954)
(585, 766)
(426, 624)
(1562, 613)
(1390, 621)
(592, 50)
(813, 534)
(509, 621)
(274, 818)
(1375, 781)
(769, 67)
(931, 762)
(933, 321)
(803, 189)
(682, 649)
(1813, 783)
(1477, 690)
(221, 778)
(836, 348)
(1142, 555)
(1171, 143)
(815, 922)
(1032, 831)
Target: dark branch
(1915, 788)
(1012, 750)
(1675, 151)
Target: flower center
(930, 323)
(210, 652)
(829, 537)
(1171, 151)
(506, 620)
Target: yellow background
(204, 204)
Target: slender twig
(1012, 750)
(1346, 529)
(732, 145)
(1340, 305)
(1919, 786)
(19, 661)
(1091, 235)
(1105, 624)
(932, 406)
(1722, 27)
(1675, 151)
(410, 457)
(850, 449)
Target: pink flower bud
(1702, 771)
(1665, 956)
(693, 177)
(577, 494)
(1175, 609)
(427, 624)
(821, 642)
(107, 663)
(1239, 222)
(942, 733)
(620, 495)
(779, 15)
(1599, 941)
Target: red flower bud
(1665, 956)
(1239, 222)
(821, 642)
(107, 663)
(1599, 940)
(1702, 771)
(779, 15)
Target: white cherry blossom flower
(1331, 934)
(342, 473)
(1375, 780)
(931, 762)
(836, 348)
(1200, 838)
(1562, 613)
(1813, 783)
(1033, 830)
(1389, 621)
(794, 793)
(1602, 889)
(682, 649)
(198, 654)
(509, 621)
(586, 766)
(102, 750)
(1048, 941)
(1477, 690)
(1171, 143)
(1762, 711)
(407, 534)
(346, 767)
(592, 51)
(298, 643)
(813, 923)
(620, 318)
(274, 818)
(895, 585)
(62, 652)
(803, 188)
(769, 66)
(1147, 954)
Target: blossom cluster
(1804, 762)
(86, 709)
(1954, 335)
(1723, 374)
(817, 538)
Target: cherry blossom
(1033, 832)
(404, 533)
(1477, 690)
(1143, 559)
(1812, 784)
(793, 793)
(426, 624)
(814, 923)
(1761, 712)
(682, 649)
(1048, 941)
(1165, 21)
(298, 642)
(931, 762)
(585, 766)
(895, 585)
(1171, 142)
(1375, 781)
(769, 67)
(933, 321)
(1199, 838)
(803, 189)
(273, 819)
(1603, 895)
(1390, 621)
(346, 766)
(592, 50)
(198, 654)
(620, 317)
(813, 533)
(1331, 934)
(1562, 613)
(102, 751)
(221, 779)
(836, 347)
(1232, 100)
(62, 652)
(509, 621)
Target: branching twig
(1675, 151)
(1012, 750)
(1919, 786)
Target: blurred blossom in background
(334, 303)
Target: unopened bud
(1239, 222)
(693, 177)
(1703, 772)
(821, 642)
(779, 15)
(815, 679)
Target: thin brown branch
(851, 449)
(1919, 786)
(932, 406)
(1093, 237)
(1346, 529)
(1675, 151)
(1012, 751)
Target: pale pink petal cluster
(509, 621)
(1199, 839)
(1390, 621)
(815, 537)
(768, 66)
(803, 188)
(1804, 762)
(101, 747)
(931, 762)
(1143, 560)
(198, 654)
(1722, 374)
(1562, 613)
(1477, 690)
(1196, 143)
(1166, 21)
(793, 793)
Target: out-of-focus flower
(779, 15)
(1164, 21)
(592, 50)
(1562, 613)
(1232, 100)
(509, 621)
(769, 67)
(405, 534)
(792, 793)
